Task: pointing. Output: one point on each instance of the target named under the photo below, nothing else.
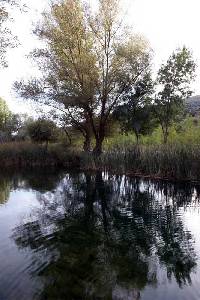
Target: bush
(42, 131)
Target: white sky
(167, 24)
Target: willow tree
(122, 59)
(89, 62)
(68, 67)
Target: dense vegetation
(104, 106)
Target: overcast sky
(167, 24)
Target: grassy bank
(172, 161)
(184, 132)
(176, 162)
(26, 154)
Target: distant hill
(193, 105)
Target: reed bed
(173, 161)
(26, 154)
(177, 161)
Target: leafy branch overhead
(7, 39)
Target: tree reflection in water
(5, 187)
(99, 236)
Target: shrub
(42, 131)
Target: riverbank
(170, 162)
(28, 155)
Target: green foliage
(137, 113)
(41, 131)
(186, 132)
(88, 61)
(12, 126)
(174, 161)
(174, 87)
(5, 114)
(119, 140)
(179, 159)
(27, 155)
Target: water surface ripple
(98, 236)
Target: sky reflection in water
(98, 236)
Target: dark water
(98, 236)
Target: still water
(98, 236)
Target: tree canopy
(137, 114)
(87, 65)
(42, 131)
(173, 87)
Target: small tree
(173, 83)
(136, 114)
(42, 131)
(16, 126)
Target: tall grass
(174, 161)
(26, 154)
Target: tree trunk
(165, 134)
(87, 143)
(99, 138)
(46, 145)
(87, 135)
(137, 137)
(97, 151)
(68, 136)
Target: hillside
(193, 105)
